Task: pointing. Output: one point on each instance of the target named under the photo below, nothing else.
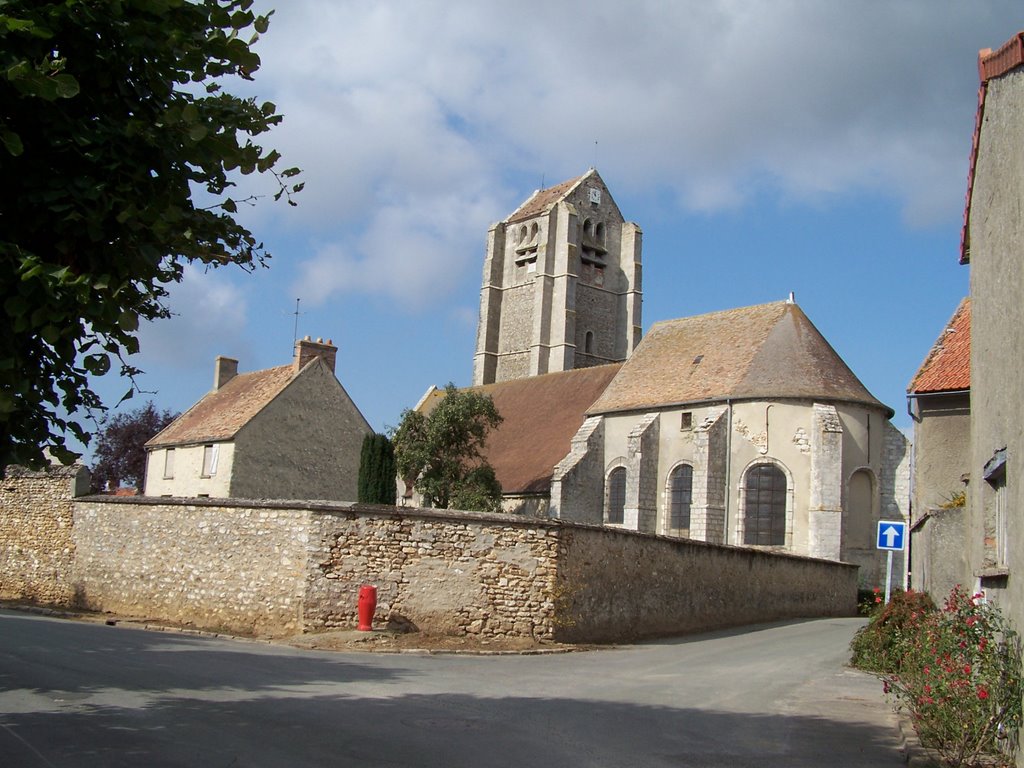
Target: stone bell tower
(561, 285)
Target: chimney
(306, 349)
(224, 370)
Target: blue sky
(763, 147)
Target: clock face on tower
(595, 196)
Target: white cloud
(396, 111)
(209, 318)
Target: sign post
(892, 536)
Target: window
(588, 343)
(210, 453)
(764, 518)
(996, 513)
(680, 496)
(686, 420)
(599, 232)
(169, 464)
(617, 496)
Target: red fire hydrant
(367, 605)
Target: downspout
(728, 469)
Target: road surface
(82, 694)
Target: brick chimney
(306, 349)
(224, 370)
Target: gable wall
(304, 445)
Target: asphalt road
(80, 694)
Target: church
(741, 427)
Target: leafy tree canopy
(120, 446)
(441, 452)
(112, 120)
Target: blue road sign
(892, 535)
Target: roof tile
(220, 414)
(764, 351)
(947, 368)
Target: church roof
(543, 200)
(541, 415)
(947, 368)
(220, 414)
(768, 351)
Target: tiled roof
(543, 199)
(990, 64)
(219, 415)
(768, 351)
(947, 368)
(541, 414)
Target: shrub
(878, 646)
(959, 679)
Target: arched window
(680, 488)
(764, 519)
(533, 232)
(617, 495)
(599, 232)
(522, 234)
(588, 343)
(587, 227)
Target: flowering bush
(878, 646)
(959, 679)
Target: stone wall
(618, 585)
(36, 546)
(484, 575)
(273, 568)
(218, 564)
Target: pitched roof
(990, 64)
(541, 415)
(220, 414)
(768, 351)
(543, 200)
(947, 368)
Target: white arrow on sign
(890, 535)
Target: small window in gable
(169, 464)
(210, 456)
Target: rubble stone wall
(36, 546)
(280, 568)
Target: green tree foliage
(112, 122)
(377, 470)
(120, 452)
(441, 453)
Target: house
(290, 432)
(992, 241)
(939, 400)
(737, 427)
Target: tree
(377, 470)
(112, 122)
(441, 452)
(120, 452)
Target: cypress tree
(377, 470)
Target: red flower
(982, 693)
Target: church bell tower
(561, 285)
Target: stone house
(737, 427)
(939, 399)
(290, 432)
(991, 244)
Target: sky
(813, 147)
